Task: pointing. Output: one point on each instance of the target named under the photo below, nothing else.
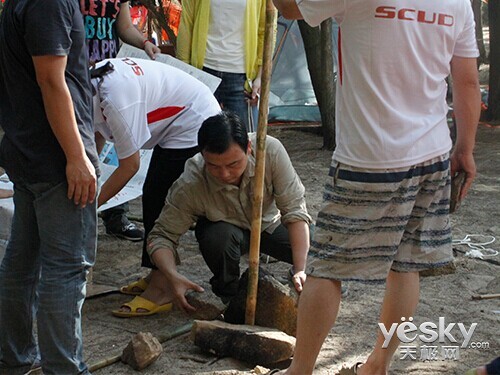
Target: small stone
(208, 306)
(141, 351)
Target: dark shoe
(128, 231)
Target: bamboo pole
(486, 296)
(260, 165)
(163, 337)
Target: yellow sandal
(135, 288)
(137, 303)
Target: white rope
(477, 249)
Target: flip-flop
(353, 370)
(135, 288)
(139, 302)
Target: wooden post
(260, 165)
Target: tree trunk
(476, 7)
(328, 86)
(319, 56)
(493, 113)
(156, 13)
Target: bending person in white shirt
(143, 104)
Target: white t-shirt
(393, 61)
(144, 103)
(225, 50)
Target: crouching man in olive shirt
(215, 191)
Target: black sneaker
(128, 231)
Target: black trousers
(222, 245)
(165, 167)
(113, 218)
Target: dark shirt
(30, 151)
(100, 27)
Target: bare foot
(155, 292)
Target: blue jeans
(43, 276)
(231, 93)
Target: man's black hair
(218, 132)
(99, 73)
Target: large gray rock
(253, 344)
(276, 304)
(141, 351)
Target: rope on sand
(477, 249)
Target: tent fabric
(292, 96)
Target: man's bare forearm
(58, 104)
(466, 102)
(299, 240)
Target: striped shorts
(373, 221)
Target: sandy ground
(447, 296)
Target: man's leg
(277, 244)
(68, 237)
(231, 93)
(426, 243)
(221, 245)
(318, 308)
(400, 300)
(164, 169)
(117, 223)
(19, 274)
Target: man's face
(229, 166)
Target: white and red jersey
(143, 103)
(394, 57)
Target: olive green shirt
(198, 194)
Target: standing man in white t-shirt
(386, 208)
(143, 104)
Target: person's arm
(164, 259)
(175, 218)
(99, 142)
(289, 194)
(80, 173)
(185, 34)
(288, 9)
(298, 233)
(130, 35)
(467, 109)
(253, 97)
(127, 168)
